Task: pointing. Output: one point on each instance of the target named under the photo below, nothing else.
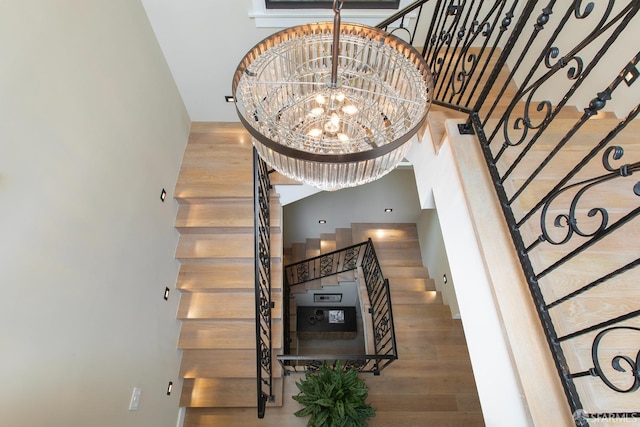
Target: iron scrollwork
(617, 363)
(553, 62)
(570, 220)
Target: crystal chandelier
(332, 105)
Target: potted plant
(334, 397)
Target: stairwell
(431, 383)
(216, 279)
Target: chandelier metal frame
(330, 104)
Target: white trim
(284, 18)
(181, 413)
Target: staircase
(432, 380)
(431, 383)
(216, 279)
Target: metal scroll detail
(620, 363)
(569, 221)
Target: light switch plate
(135, 399)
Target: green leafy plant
(334, 398)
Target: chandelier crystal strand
(333, 105)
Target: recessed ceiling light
(322, 221)
(166, 293)
(229, 98)
(163, 195)
(169, 388)
(388, 210)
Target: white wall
(204, 42)
(439, 185)
(366, 203)
(91, 129)
(434, 257)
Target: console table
(327, 323)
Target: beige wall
(91, 129)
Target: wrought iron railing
(534, 78)
(263, 301)
(363, 256)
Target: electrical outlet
(135, 399)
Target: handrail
(359, 256)
(263, 303)
(516, 69)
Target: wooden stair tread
(277, 178)
(221, 246)
(223, 215)
(243, 417)
(415, 297)
(224, 334)
(420, 310)
(393, 271)
(411, 284)
(218, 162)
(221, 305)
(327, 242)
(221, 277)
(343, 238)
(231, 363)
(224, 392)
(312, 248)
(428, 418)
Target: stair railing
(534, 77)
(263, 303)
(359, 256)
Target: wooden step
(222, 277)
(458, 381)
(327, 242)
(415, 297)
(194, 247)
(224, 392)
(424, 323)
(312, 248)
(391, 272)
(343, 238)
(246, 417)
(224, 334)
(276, 178)
(221, 305)
(411, 284)
(242, 417)
(298, 252)
(424, 311)
(232, 215)
(217, 163)
(222, 364)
